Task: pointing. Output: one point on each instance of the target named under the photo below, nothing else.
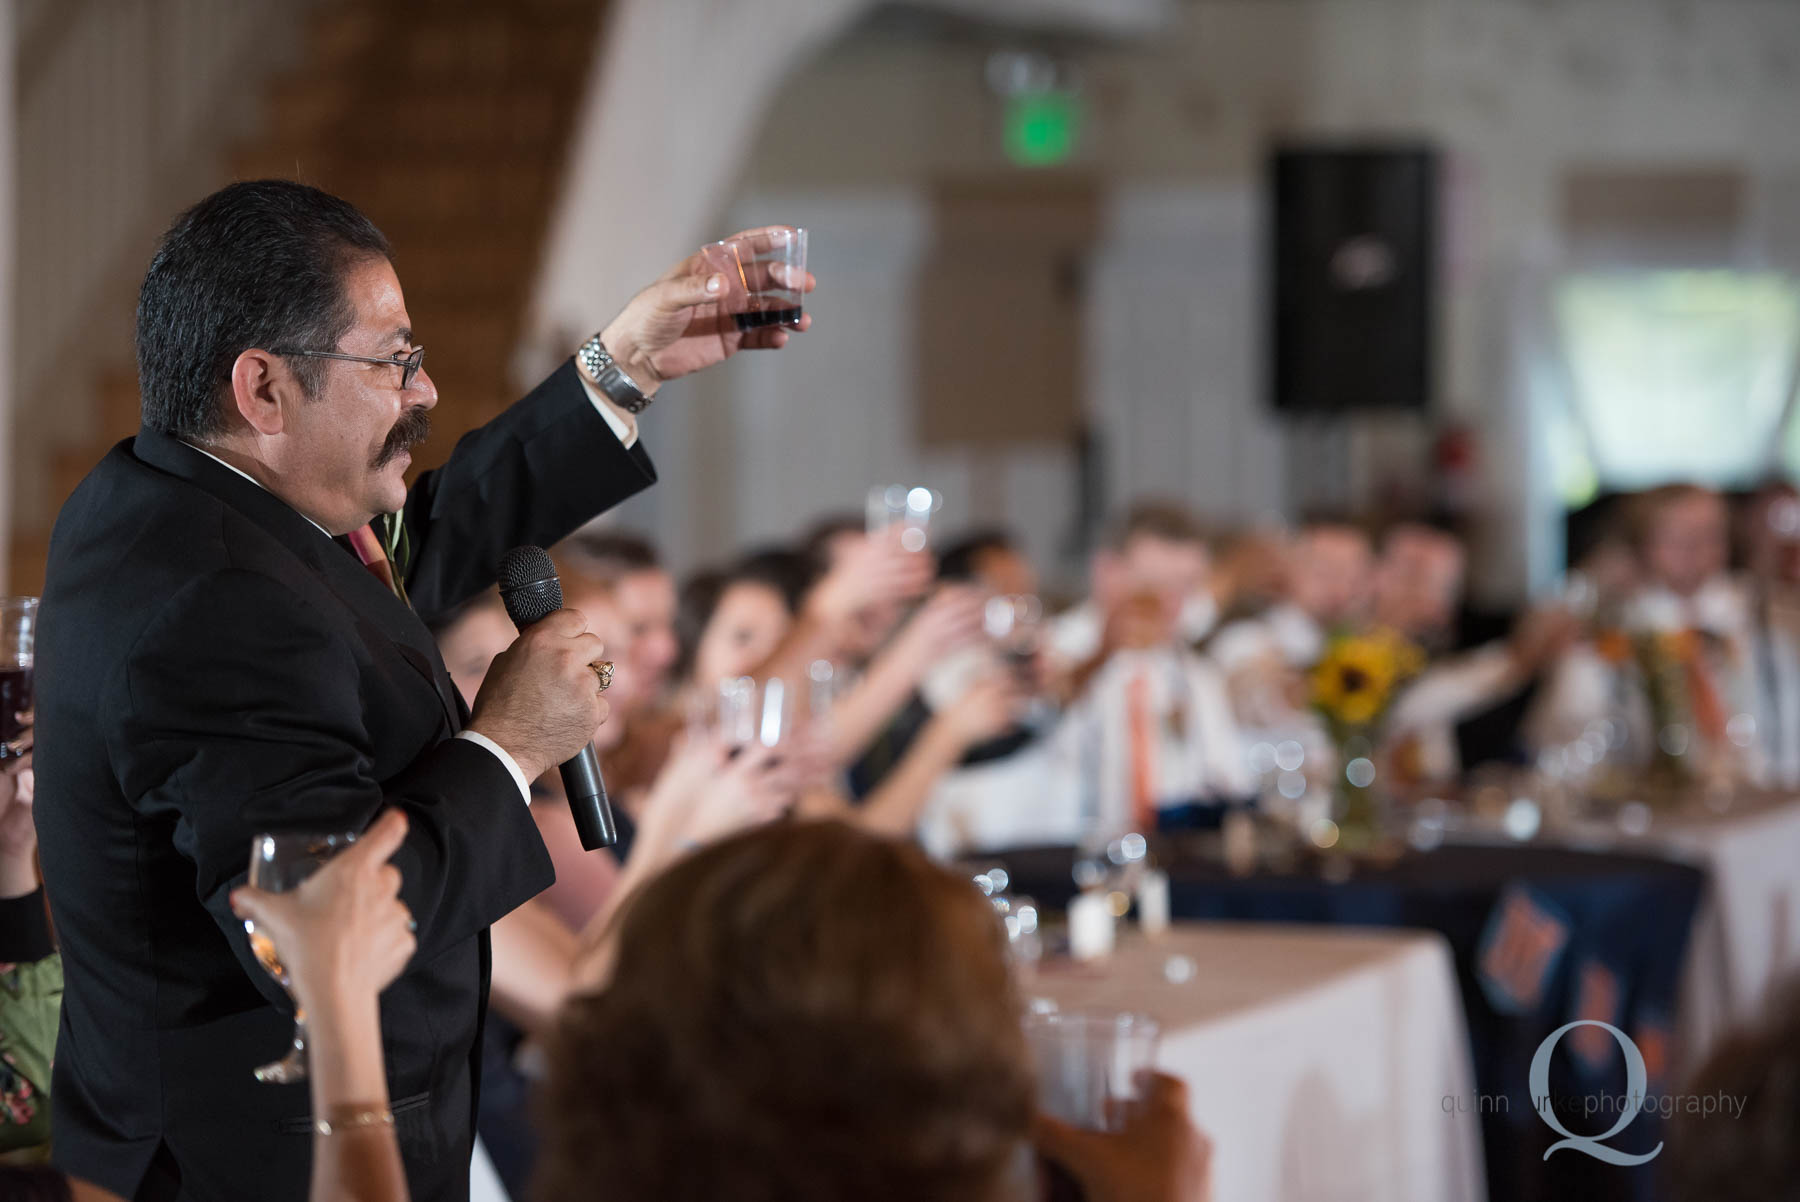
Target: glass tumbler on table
(278, 864)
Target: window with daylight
(1674, 375)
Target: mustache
(413, 428)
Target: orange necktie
(1142, 730)
(1703, 695)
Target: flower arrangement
(1357, 679)
(1352, 687)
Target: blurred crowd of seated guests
(942, 696)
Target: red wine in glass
(756, 319)
(15, 697)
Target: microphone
(531, 592)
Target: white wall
(1517, 91)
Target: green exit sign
(1041, 128)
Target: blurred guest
(1326, 580)
(30, 974)
(537, 948)
(1418, 584)
(1148, 730)
(1151, 734)
(730, 622)
(1418, 593)
(1157, 550)
(758, 619)
(1688, 607)
(1250, 576)
(1742, 1148)
(1769, 527)
(755, 993)
(835, 546)
(1013, 789)
(630, 604)
(774, 613)
(628, 568)
(1594, 686)
(992, 560)
(1734, 642)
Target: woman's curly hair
(802, 1013)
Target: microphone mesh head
(528, 585)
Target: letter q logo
(1635, 1080)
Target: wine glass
(18, 638)
(278, 864)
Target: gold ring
(603, 671)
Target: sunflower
(1353, 684)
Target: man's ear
(260, 384)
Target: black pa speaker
(1354, 238)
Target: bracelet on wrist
(357, 1118)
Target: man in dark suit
(220, 656)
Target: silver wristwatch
(610, 378)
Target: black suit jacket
(211, 665)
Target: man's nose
(422, 391)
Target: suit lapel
(372, 604)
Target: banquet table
(1609, 930)
(1746, 937)
(1323, 1064)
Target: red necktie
(367, 545)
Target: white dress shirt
(622, 424)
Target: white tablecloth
(1327, 1065)
(1746, 936)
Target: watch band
(610, 378)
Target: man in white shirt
(1157, 549)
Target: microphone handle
(587, 801)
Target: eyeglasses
(409, 364)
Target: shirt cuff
(623, 424)
(512, 765)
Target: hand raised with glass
(678, 325)
(344, 931)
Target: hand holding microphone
(541, 699)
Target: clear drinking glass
(278, 864)
(756, 712)
(764, 274)
(1092, 1068)
(1015, 623)
(908, 507)
(18, 644)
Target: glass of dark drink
(18, 641)
(765, 273)
(278, 864)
